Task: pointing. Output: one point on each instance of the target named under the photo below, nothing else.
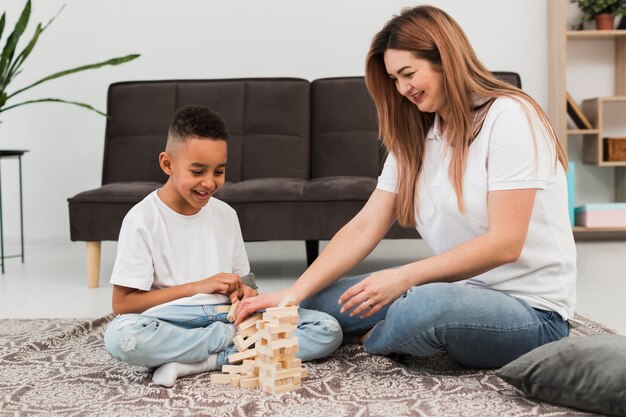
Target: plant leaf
(2, 22)
(9, 47)
(24, 54)
(54, 100)
(113, 61)
(53, 18)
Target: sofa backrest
(267, 120)
(344, 127)
(278, 127)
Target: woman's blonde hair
(431, 34)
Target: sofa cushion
(340, 188)
(97, 215)
(262, 189)
(583, 372)
(117, 192)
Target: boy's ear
(165, 161)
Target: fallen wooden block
(247, 332)
(251, 321)
(243, 344)
(237, 357)
(249, 382)
(238, 369)
(270, 389)
(234, 380)
(220, 378)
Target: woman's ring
(369, 303)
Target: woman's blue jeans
(477, 327)
(192, 333)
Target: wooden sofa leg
(312, 250)
(93, 264)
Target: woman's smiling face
(416, 79)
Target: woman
(476, 167)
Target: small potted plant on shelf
(11, 63)
(602, 11)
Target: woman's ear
(165, 161)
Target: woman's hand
(374, 292)
(249, 305)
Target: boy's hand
(222, 283)
(243, 293)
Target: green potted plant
(11, 63)
(602, 11)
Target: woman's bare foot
(364, 337)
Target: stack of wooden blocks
(267, 347)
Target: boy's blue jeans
(192, 333)
(477, 327)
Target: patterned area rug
(60, 367)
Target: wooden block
(218, 378)
(283, 388)
(247, 332)
(234, 380)
(245, 344)
(279, 328)
(237, 357)
(283, 343)
(283, 320)
(268, 365)
(264, 358)
(293, 363)
(232, 313)
(282, 373)
(237, 369)
(238, 341)
(249, 382)
(222, 309)
(251, 321)
(268, 354)
(290, 350)
(280, 312)
(288, 300)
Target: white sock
(168, 373)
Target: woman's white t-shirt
(503, 156)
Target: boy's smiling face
(196, 169)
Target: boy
(181, 253)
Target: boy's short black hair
(196, 122)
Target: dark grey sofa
(303, 157)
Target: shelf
(599, 233)
(595, 34)
(596, 110)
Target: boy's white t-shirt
(502, 157)
(159, 248)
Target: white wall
(208, 39)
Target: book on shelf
(575, 112)
(601, 215)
